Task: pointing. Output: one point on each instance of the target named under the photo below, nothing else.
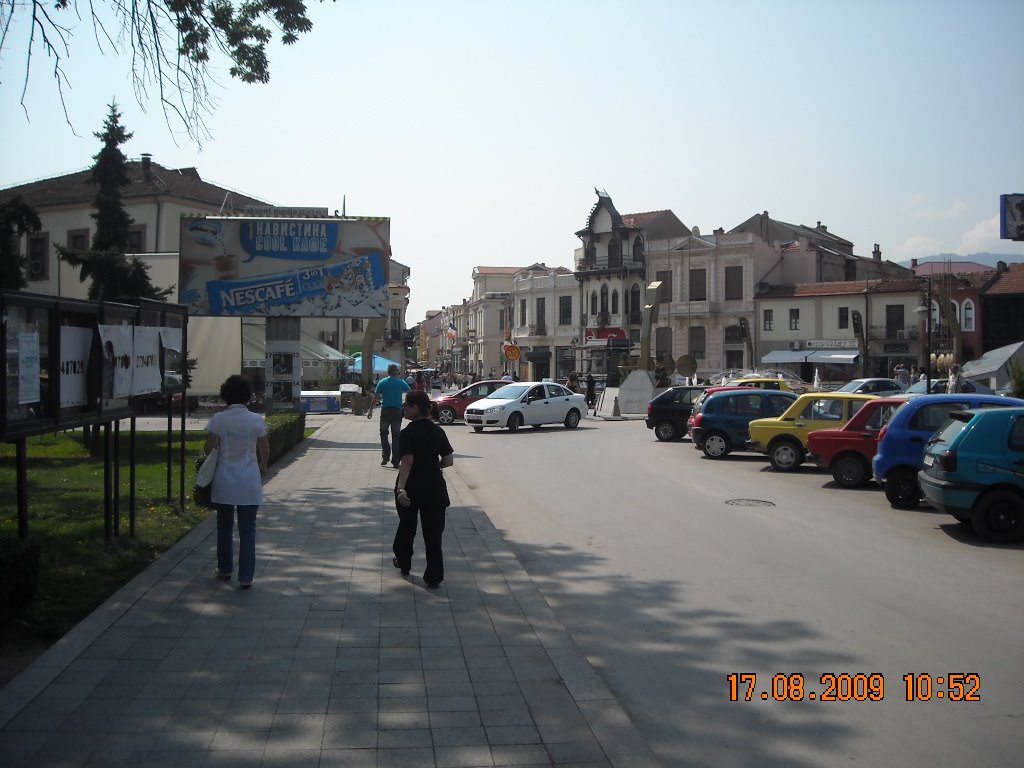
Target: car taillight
(650, 410)
(947, 461)
(696, 419)
(881, 432)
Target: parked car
(708, 392)
(720, 422)
(784, 438)
(901, 445)
(448, 408)
(848, 450)
(668, 413)
(939, 387)
(527, 402)
(762, 382)
(880, 387)
(974, 470)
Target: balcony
(890, 333)
(536, 330)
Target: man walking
(389, 392)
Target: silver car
(879, 387)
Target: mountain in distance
(989, 259)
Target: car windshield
(952, 428)
(508, 392)
(919, 387)
(851, 386)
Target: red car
(446, 409)
(848, 451)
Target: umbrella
(380, 364)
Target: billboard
(1011, 217)
(284, 267)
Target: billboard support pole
(22, 470)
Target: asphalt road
(669, 588)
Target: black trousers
(433, 527)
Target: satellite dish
(686, 365)
(669, 363)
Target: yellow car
(784, 438)
(762, 383)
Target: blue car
(902, 441)
(720, 422)
(974, 470)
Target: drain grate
(749, 503)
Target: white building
(544, 304)
(487, 320)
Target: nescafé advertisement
(272, 267)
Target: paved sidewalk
(332, 658)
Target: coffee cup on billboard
(226, 266)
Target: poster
(28, 368)
(75, 347)
(116, 363)
(146, 360)
(284, 267)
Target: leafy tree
(17, 218)
(113, 274)
(170, 43)
(1016, 378)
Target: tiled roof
(1010, 281)
(640, 220)
(842, 288)
(78, 187)
(951, 267)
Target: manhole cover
(750, 503)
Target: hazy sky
(481, 128)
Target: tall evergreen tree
(114, 275)
(17, 218)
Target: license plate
(928, 460)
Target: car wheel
(850, 471)
(572, 419)
(715, 445)
(902, 490)
(666, 431)
(785, 456)
(999, 516)
(478, 429)
(446, 416)
(515, 421)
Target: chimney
(147, 166)
(822, 227)
(1001, 267)
(877, 253)
(913, 263)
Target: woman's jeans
(246, 540)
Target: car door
(535, 405)
(559, 403)
(1014, 450)
(820, 413)
(741, 409)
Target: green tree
(17, 218)
(114, 275)
(1016, 379)
(171, 44)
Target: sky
(482, 128)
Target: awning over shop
(785, 356)
(834, 357)
(314, 352)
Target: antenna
(225, 202)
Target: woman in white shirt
(242, 460)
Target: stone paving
(332, 658)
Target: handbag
(203, 492)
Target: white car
(527, 402)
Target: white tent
(995, 364)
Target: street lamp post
(927, 309)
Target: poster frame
(45, 421)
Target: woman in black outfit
(420, 489)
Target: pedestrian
(420, 490)
(420, 385)
(243, 454)
(956, 380)
(591, 390)
(903, 375)
(572, 383)
(389, 392)
(507, 376)
(411, 380)
(435, 383)
(914, 374)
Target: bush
(284, 431)
(19, 576)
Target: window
(78, 239)
(396, 329)
(565, 310)
(615, 302)
(663, 342)
(844, 317)
(542, 314)
(357, 323)
(697, 342)
(698, 285)
(665, 291)
(931, 418)
(614, 253)
(733, 335)
(769, 319)
(794, 319)
(733, 283)
(137, 239)
(38, 253)
(635, 307)
(593, 302)
(638, 249)
(604, 298)
(968, 315)
(522, 311)
(778, 405)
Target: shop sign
(895, 348)
(831, 344)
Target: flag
(789, 247)
(451, 332)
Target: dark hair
(236, 390)
(420, 400)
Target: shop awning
(785, 356)
(834, 357)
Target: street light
(928, 326)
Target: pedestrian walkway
(332, 658)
